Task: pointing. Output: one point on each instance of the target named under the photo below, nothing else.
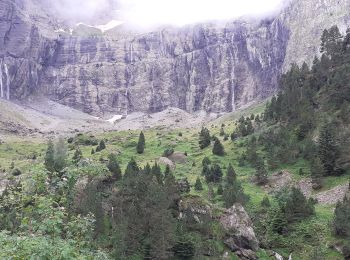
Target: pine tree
(234, 193)
(147, 169)
(341, 220)
(249, 128)
(278, 222)
(141, 144)
(213, 174)
(222, 131)
(206, 161)
(198, 185)
(328, 149)
(316, 170)
(92, 151)
(101, 146)
(114, 167)
(261, 173)
(231, 176)
(132, 169)
(60, 155)
(157, 172)
(218, 149)
(206, 171)
(204, 138)
(77, 155)
(220, 190)
(50, 157)
(265, 203)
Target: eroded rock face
(240, 236)
(214, 68)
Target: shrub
(168, 152)
(16, 172)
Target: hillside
(208, 141)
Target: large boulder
(194, 209)
(239, 233)
(178, 157)
(165, 161)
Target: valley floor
(27, 154)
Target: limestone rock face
(203, 67)
(209, 67)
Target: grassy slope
(21, 153)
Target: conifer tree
(261, 173)
(50, 157)
(147, 169)
(132, 169)
(77, 155)
(157, 172)
(341, 220)
(234, 193)
(220, 190)
(249, 128)
(222, 131)
(198, 185)
(218, 148)
(206, 161)
(114, 167)
(316, 170)
(141, 144)
(204, 138)
(213, 174)
(231, 175)
(60, 155)
(265, 203)
(328, 149)
(101, 146)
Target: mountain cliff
(210, 67)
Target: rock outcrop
(240, 236)
(209, 67)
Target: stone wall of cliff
(215, 68)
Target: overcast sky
(174, 12)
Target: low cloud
(146, 13)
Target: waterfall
(131, 52)
(233, 96)
(1, 84)
(161, 43)
(127, 99)
(7, 82)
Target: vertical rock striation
(205, 67)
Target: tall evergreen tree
(341, 220)
(234, 193)
(50, 157)
(316, 170)
(141, 143)
(198, 185)
(261, 173)
(113, 167)
(157, 172)
(204, 138)
(77, 155)
(218, 148)
(231, 176)
(328, 149)
(60, 155)
(132, 169)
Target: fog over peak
(145, 13)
